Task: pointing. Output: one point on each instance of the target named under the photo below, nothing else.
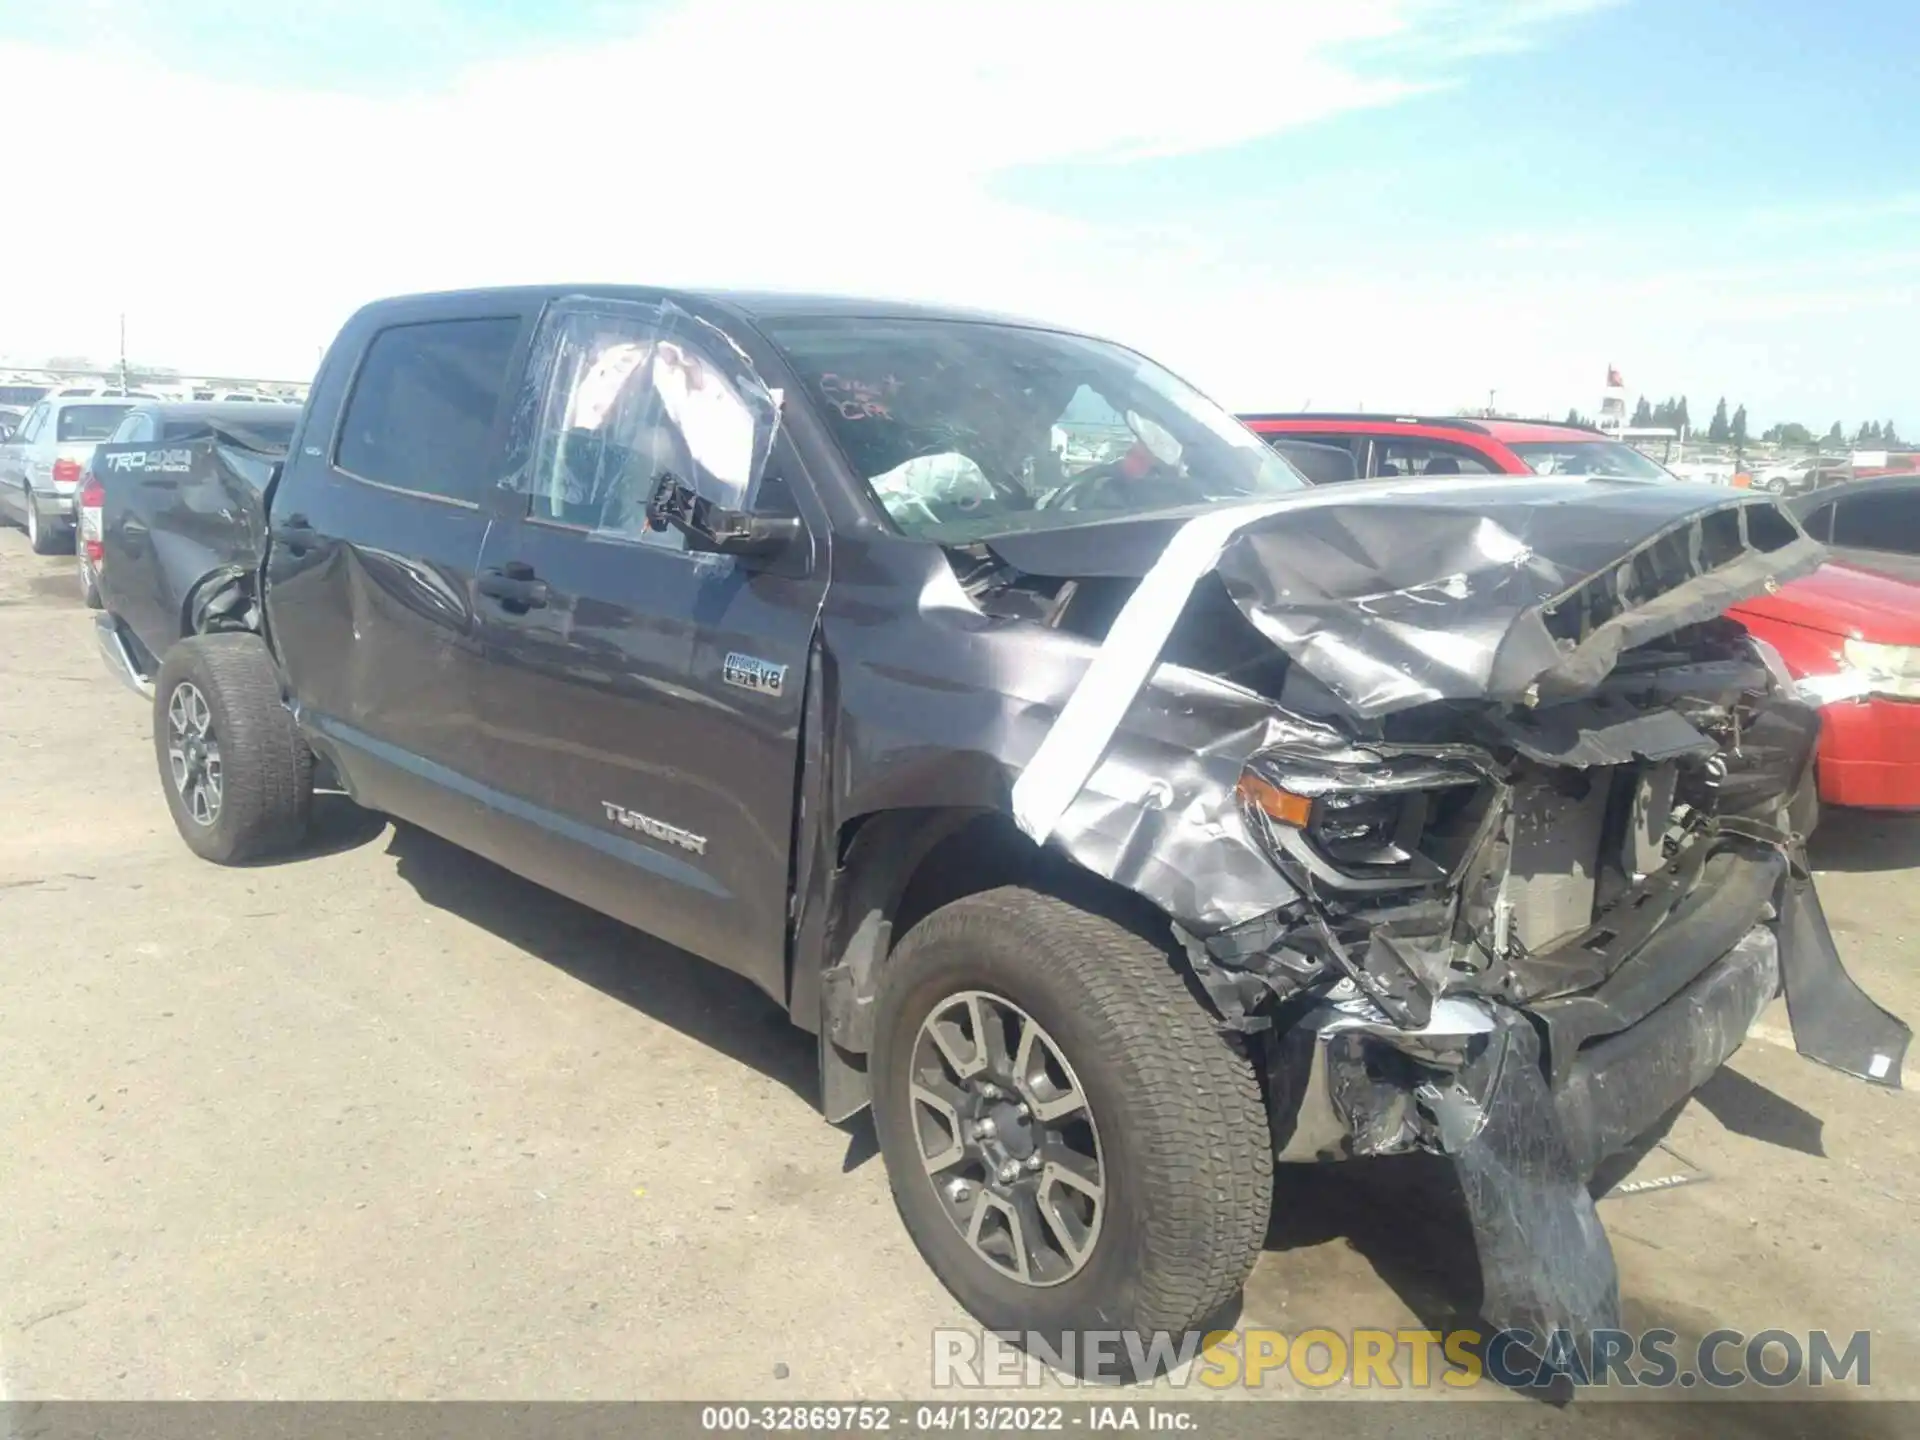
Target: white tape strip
(1081, 733)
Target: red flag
(1614, 382)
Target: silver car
(41, 463)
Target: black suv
(1122, 813)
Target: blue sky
(1397, 203)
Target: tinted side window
(1355, 446)
(1819, 523)
(421, 413)
(1320, 462)
(1427, 457)
(1887, 521)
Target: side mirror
(715, 530)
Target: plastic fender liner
(1546, 1265)
(1834, 1020)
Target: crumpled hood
(1523, 590)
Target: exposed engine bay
(1479, 822)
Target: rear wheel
(1072, 1143)
(43, 536)
(237, 774)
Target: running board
(113, 650)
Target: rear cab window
(133, 429)
(421, 411)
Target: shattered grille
(1703, 545)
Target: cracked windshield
(964, 430)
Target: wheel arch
(896, 867)
(223, 599)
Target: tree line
(1724, 429)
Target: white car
(1796, 477)
(41, 463)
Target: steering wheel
(1093, 479)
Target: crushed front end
(1524, 935)
(1529, 866)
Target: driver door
(642, 702)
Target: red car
(1850, 632)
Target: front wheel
(237, 774)
(1071, 1141)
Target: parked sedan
(1851, 638)
(1851, 633)
(1797, 477)
(40, 464)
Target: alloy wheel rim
(193, 753)
(1006, 1137)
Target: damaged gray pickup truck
(1123, 814)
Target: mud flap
(1546, 1266)
(1834, 1020)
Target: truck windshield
(1588, 457)
(965, 430)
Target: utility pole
(123, 352)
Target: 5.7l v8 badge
(749, 672)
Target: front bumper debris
(1528, 1100)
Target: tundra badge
(751, 673)
(655, 829)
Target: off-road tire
(266, 767)
(1181, 1120)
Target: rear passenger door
(642, 703)
(374, 532)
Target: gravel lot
(388, 1122)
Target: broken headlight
(1891, 670)
(1370, 818)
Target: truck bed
(181, 522)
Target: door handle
(295, 532)
(515, 586)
